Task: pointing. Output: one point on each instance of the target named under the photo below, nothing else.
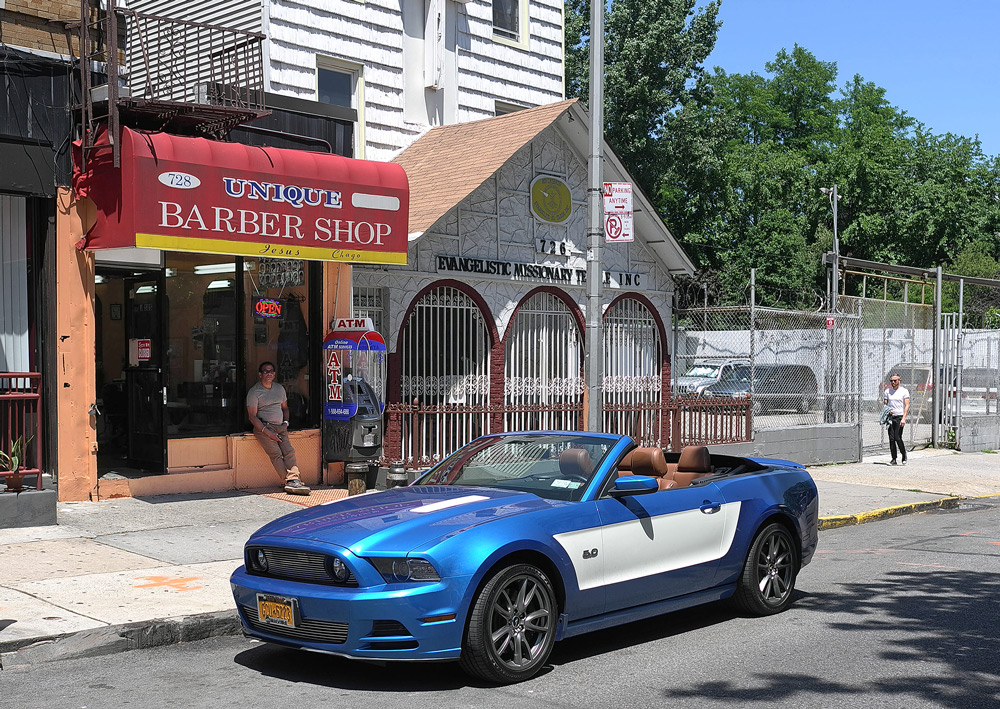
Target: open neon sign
(268, 307)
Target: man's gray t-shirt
(267, 401)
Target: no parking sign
(618, 223)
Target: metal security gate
(445, 364)
(633, 381)
(948, 387)
(543, 382)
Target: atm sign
(268, 307)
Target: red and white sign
(364, 324)
(139, 351)
(618, 221)
(193, 194)
(829, 322)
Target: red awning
(194, 194)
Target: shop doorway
(129, 352)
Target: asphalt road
(898, 613)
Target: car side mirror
(629, 485)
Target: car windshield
(553, 466)
(702, 370)
(740, 375)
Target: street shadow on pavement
(330, 671)
(661, 627)
(947, 620)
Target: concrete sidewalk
(139, 572)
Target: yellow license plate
(277, 610)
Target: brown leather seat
(575, 461)
(695, 462)
(647, 461)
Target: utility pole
(835, 281)
(594, 357)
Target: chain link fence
(797, 367)
(896, 337)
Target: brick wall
(38, 24)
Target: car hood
(401, 519)
(693, 381)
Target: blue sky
(938, 61)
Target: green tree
(653, 66)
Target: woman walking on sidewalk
(898, 399)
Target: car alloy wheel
(512, 626)
(768, 579)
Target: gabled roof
(448, 163)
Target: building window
(502, 108)
(633, 362)
(445, 361)
(370, 302)
(202, 345)
(543, 366)
(507, 19)
(340, 83)
(277, 328)
(335, 87)
(221, 327)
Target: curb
(119, 638)
(945, 503)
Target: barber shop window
(278, 329)
(203, 388)
(507, 19)
(226, 315)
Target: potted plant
(11, 461)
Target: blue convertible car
(521, 539)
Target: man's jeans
(280, 452)
(896, 436)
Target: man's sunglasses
(267, 371)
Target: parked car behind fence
(776, 387)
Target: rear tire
(768, 579)
(512, 626)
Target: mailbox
(355, 360)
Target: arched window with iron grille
(444, 367)
(633, 371)
(543, 366)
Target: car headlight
(405, 570)
(338, 570)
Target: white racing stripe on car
(638, 548)
(445, 504)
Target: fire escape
(164, 74)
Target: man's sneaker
(891, 462)
(295, 487)
(904, 461)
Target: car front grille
(295, 565)
(310, 629)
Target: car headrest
(648, 461)
(575, 461)
(695, 459)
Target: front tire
(768, 579)
(512, 626)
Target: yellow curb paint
(887, 513)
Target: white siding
(236, 14)
(370, 34)
(478, 70)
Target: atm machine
(355, 363)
